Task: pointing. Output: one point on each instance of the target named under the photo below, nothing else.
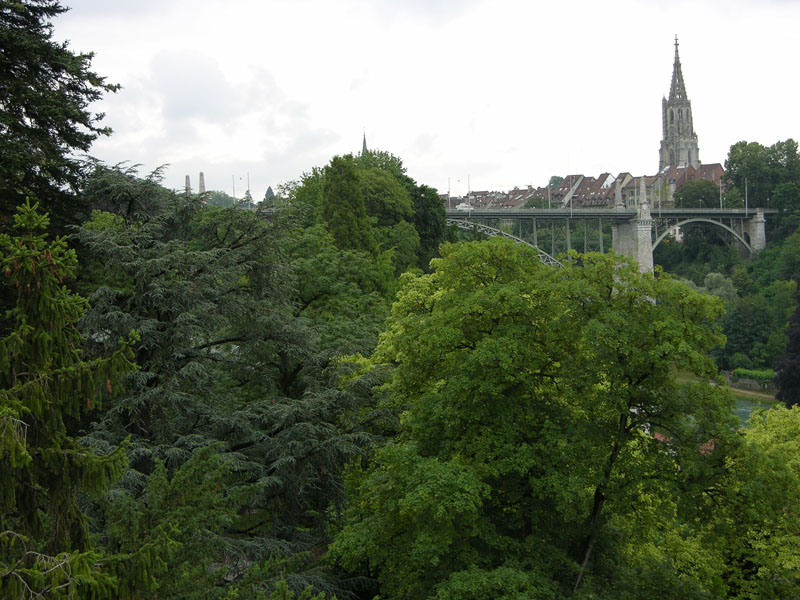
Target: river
(747, 404)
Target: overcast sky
(490, 93)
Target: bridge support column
(754, 228)
(634, 239)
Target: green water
(745, 405)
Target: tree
(698, 194)
(752, 525)
(430, 223)
(342, 207)
(45, 94)
(48, 392)
(238, 427)
(530, 397)
(748, 168)
(758, 169)
(385, 198)
(221, 199)
(119, 190)
(787, 371)
(387, 162)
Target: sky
(470, 94)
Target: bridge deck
(627, 214)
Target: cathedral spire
(679, 141)
(677, 90)
(364, 144)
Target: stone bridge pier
(634, 238)
(754, 231)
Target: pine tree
(47, 394)
(45, 121)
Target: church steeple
(677, 90)
(364, 144)
(679, 142)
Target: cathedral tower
(679, 142)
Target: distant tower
(364, 145)
(188, 186)
(679, 143)
(202, 184)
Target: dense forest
(328, 394)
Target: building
(679, 141)
(679, 163)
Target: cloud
(435, 10)
(87, 8)
(193, 86)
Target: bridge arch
(744, 241)
(544, 257)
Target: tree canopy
(539, 407)
(48, 392)
(45, 117)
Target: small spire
(643, 210)
(364, 144)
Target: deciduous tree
(537, 406)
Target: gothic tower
(679, 142)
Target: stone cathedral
(679, 141)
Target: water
(747, 404)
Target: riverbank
(747, 400)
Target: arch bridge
(634, 232)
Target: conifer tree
(47, 393)
(45, 121)
(238, 428)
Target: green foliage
(767, 176)
(385, 198)
(763, 376)
(45, 93)
(119, 190)
(752, 523)
(429, 221)
(238, 428)
(384, 161)
(177, 513)
(342, 209)
(258, 585)
(220, 199)
(525, 396)
(698, 194)
(759, 302)
(391, 199)
(47, 393)
(339, 292)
